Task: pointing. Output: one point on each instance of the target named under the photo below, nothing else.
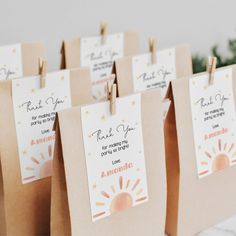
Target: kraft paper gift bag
(152, 70)
(200, 150)
(20, 60)
(98, 53)
(109, 169)
(26, 145)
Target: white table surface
(226, 228)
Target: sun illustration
(221, 157)
(126, 195)
(41, 167)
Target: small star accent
(14, 50)
(94, 186)
(24, 152)
(133, 103)
(33, 90)
(103, 118)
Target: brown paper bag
(25, 208)
(71, 212)
(98, 53)
(170, 64)
(200, 171)
(20, 60)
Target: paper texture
(99, 57)
(147, 75)
(10, 62)
(34, 111)
(114, 156)
(214, 122)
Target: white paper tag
(100, 57)
(147, 75)
(213, 117)
(34, 111)
(10, 62)
(114, 153)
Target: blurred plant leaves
(199, 61)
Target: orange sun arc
(46, 169)
(121, 202)
(220, 162)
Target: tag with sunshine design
(34, 110)
(214, 122)
(115, 157)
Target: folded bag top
(155, 69)
(109, 169)
(98, 53)
(20, 59)
(26, 145)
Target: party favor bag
(109, 169)
(152, 70)
(201, 153)
(27, 109)
(98, 53)
(20, 60)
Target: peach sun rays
(221, 157)
(125, 195)
(41, 166)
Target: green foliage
(199, 62)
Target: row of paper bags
(120, 166)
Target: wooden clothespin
(42, 71)
(111, 95)
(103, 32)
(211, 67)
(153, 50)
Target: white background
(199, 22)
